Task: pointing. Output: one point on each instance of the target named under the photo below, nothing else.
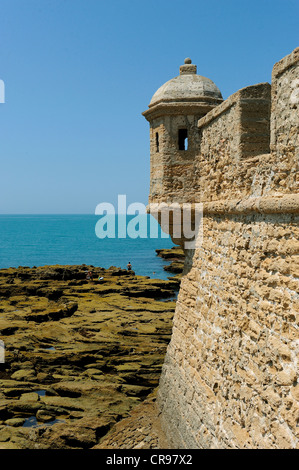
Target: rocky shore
(80, 353)
(176, 257)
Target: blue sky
(79, 73)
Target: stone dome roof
(188, 86)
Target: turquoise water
(39, 240)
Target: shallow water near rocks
(32, 422)
(168, 299)
(71, 240)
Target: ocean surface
(40, 240)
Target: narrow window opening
(183, 139)
(157, 141)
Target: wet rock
(23, 374)
(29, 397)
(43, 377)
(45, 416)
(177, 257)
(5, 435)
(15, 422)
(171, 253)
(61, 436)
(15, 392)
(23, 408)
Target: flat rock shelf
(80, 354)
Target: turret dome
(186, 87)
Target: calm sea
(39, 240)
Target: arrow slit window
(183, 139)
(157, 141)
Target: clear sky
(79, 73)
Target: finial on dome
(188, 67)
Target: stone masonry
(230, 377)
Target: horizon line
(67, 213)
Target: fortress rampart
(230, 377)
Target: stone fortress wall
(230, 377)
